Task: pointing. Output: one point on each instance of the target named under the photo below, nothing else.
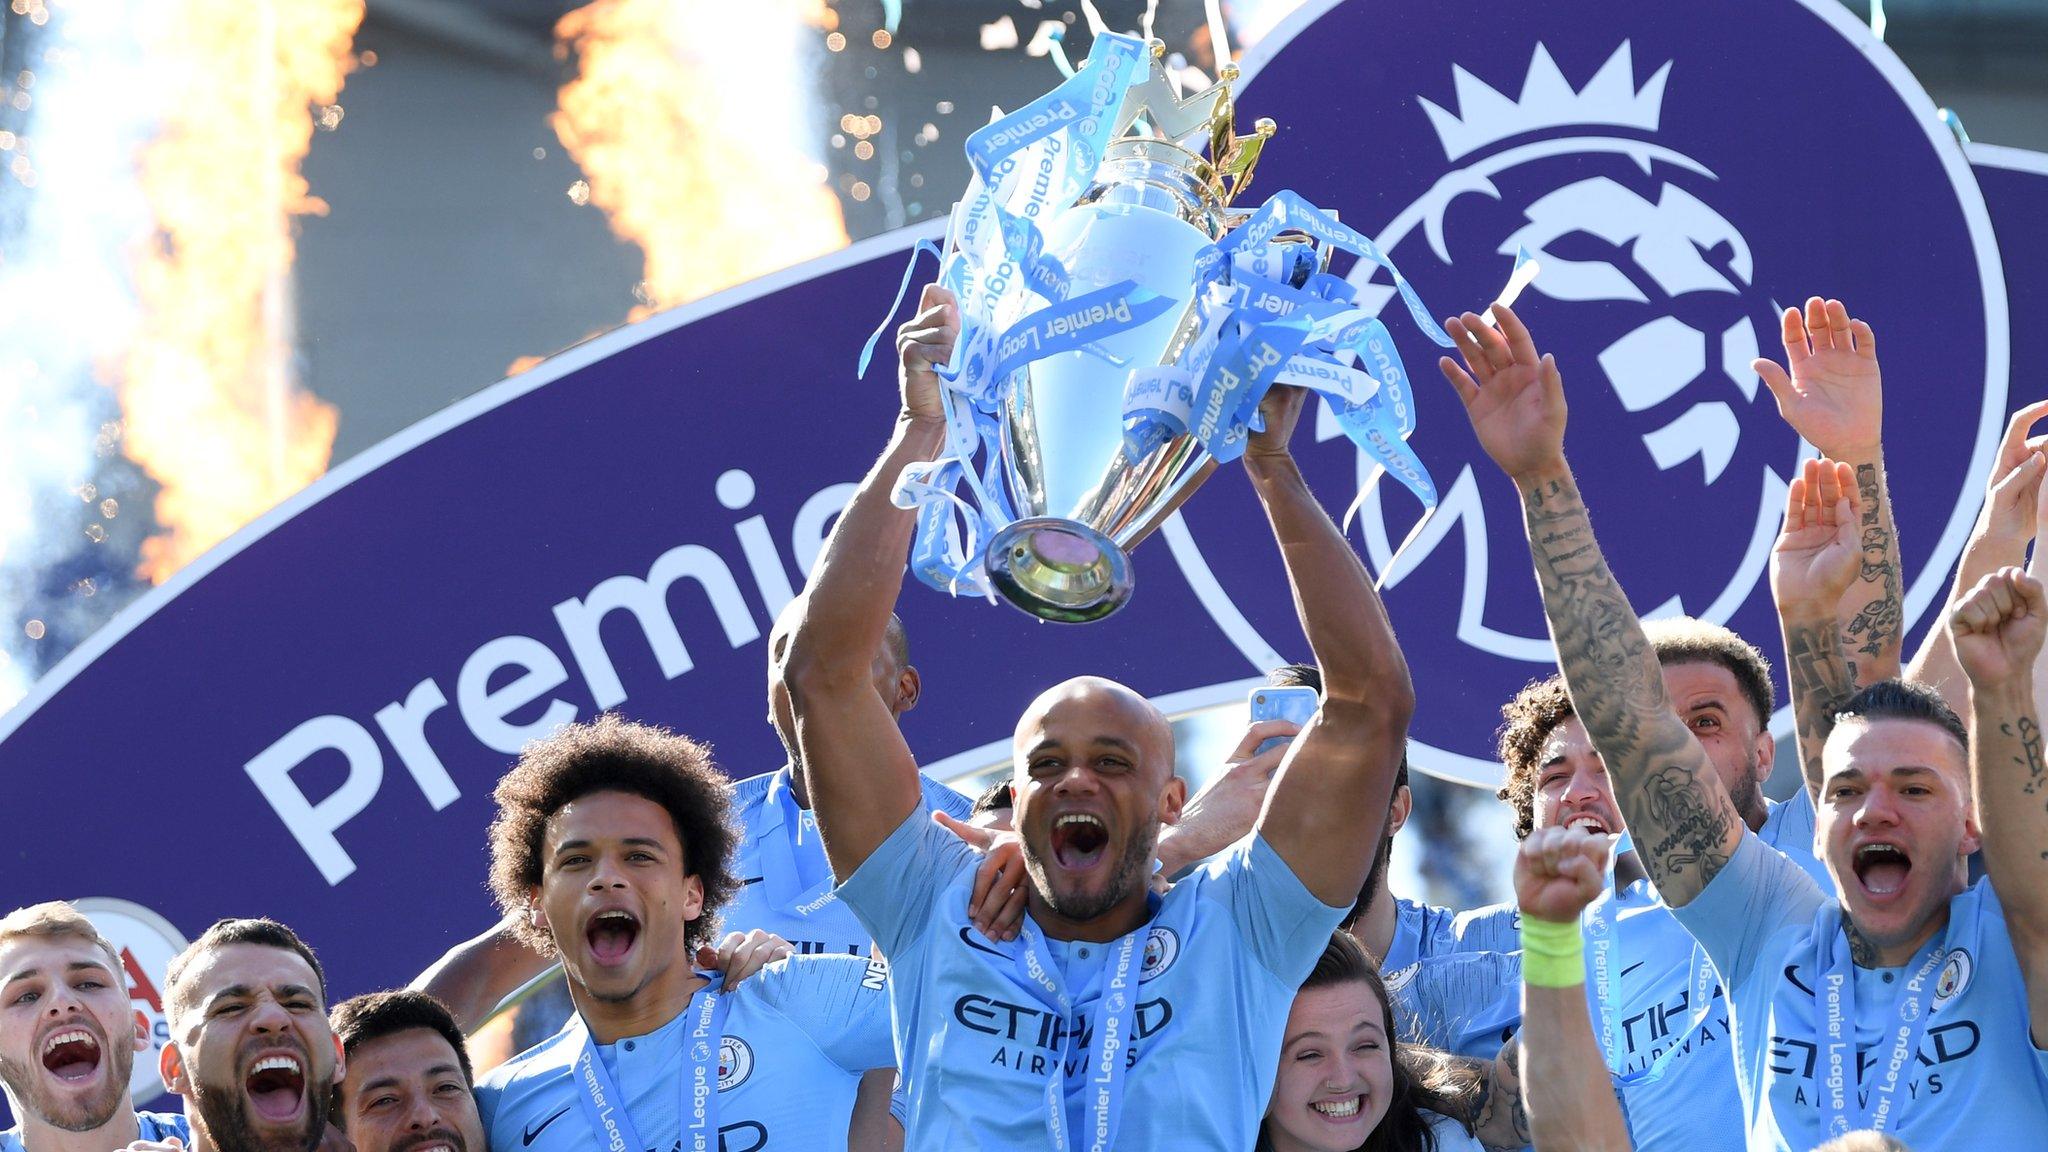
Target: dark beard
(223, 1113)
(1368, 896)
(1133, 870)
(28, 1088)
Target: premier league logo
(1627, 149)
(735, 1063)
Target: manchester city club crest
(1955, 976)
(735, 1063)
(1661, 166)
(1162, 947)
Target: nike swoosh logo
(1632, 967)
(752, 880)
(967, 938)
(532, 1134)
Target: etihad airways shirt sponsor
(981, 1037)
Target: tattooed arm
(1684, 822)
(1999, 540)
(1997, 630)
(1816, 560)
(1833, 397)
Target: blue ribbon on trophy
(1120, 324)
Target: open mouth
(72, 1055)
(611, 935)
(1587, 821)
(1079, 841)
(438, 1140)
(277, 1087)
(1882, 868)
(1339, 1110)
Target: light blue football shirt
(157, 1126)
(1223, 955)
(1469, 1003)
(786, 883)
(798, 1036)
(1975, 1080)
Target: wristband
(1553, 953)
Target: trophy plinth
(1059, 570)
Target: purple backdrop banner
(308, 722)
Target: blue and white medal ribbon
(1108, 1059)
(1842, 1100)
(604, 1106)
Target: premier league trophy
(1121, 319)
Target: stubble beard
(27, 1087)
(1132, 870)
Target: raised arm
(1815, 561)
(1833, 396)
(475, 976)
(1684, 823)
(862, 777)
(1328, 805)
(1997, 630)
(1570, 1095)
(2005, 523)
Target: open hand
(1513, 396)
(1833, 395)
(1001, 886)
(924, 343)
(1558, 871)
(1998, 628)
(1820, 548)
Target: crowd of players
(1090, 958)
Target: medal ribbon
(604, 1106)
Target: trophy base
(1059, 570)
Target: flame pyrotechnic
(686, 117)
(207, 391)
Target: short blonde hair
(52, 920)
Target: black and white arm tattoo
(1685, 824)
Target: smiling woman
(1347, 1083)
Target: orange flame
(685, 117)
(209, 404)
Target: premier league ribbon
(1843, 1096)
(1103, 1073)
(604, 1106)
(1260, 311)
(1603, 939)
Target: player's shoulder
(535, 1067)
(751, 792)
(941, 797)
(160, 1125)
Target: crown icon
(1154, 109)
(1609, 99)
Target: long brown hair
(1424, 1079)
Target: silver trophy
(1082, 503)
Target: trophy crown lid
(1203, 122)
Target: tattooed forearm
(1822, 680)
(1668, 791)
(2028, 735)
(1877, 627)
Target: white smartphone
(1294, 704)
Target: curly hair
(1527, 720)
(1424, 1079)
(613, 755)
